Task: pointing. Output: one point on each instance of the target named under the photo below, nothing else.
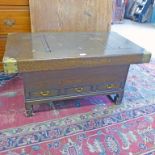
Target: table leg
(117, 99)
(29, 109)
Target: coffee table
(59, 66)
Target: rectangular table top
(26, 52)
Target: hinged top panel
(55, 51)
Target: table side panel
(62, 64)
(74, 81)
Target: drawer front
(2, 46)
(14, 2)
(14, 20)
(57, 92)
(2, 49)
(73, 90)
(44, 93)
(77, 90)
(1, 67)
(109, 86)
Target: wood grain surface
(14, 2)
(70, 15)
(75, 78)
(14, 19)
(2, 48)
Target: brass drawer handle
(45, 93)
(9, 22)
(110, 86)
(79, 90)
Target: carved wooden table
(59, 66)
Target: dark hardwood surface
(46, 86)
(57, 51)
(67, 81)
(58, 66)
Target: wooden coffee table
(60, 66)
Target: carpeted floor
(141, 34)
(90, 125)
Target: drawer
(1, 67)
(2, 46)
(14, 19)
(1, 55)
(2, 49)
(77, 90)
(44, 93)
(14, 2)
(108, 86)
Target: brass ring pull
(110, 86)
(9, 22)
(79, 90)
(45, 93)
